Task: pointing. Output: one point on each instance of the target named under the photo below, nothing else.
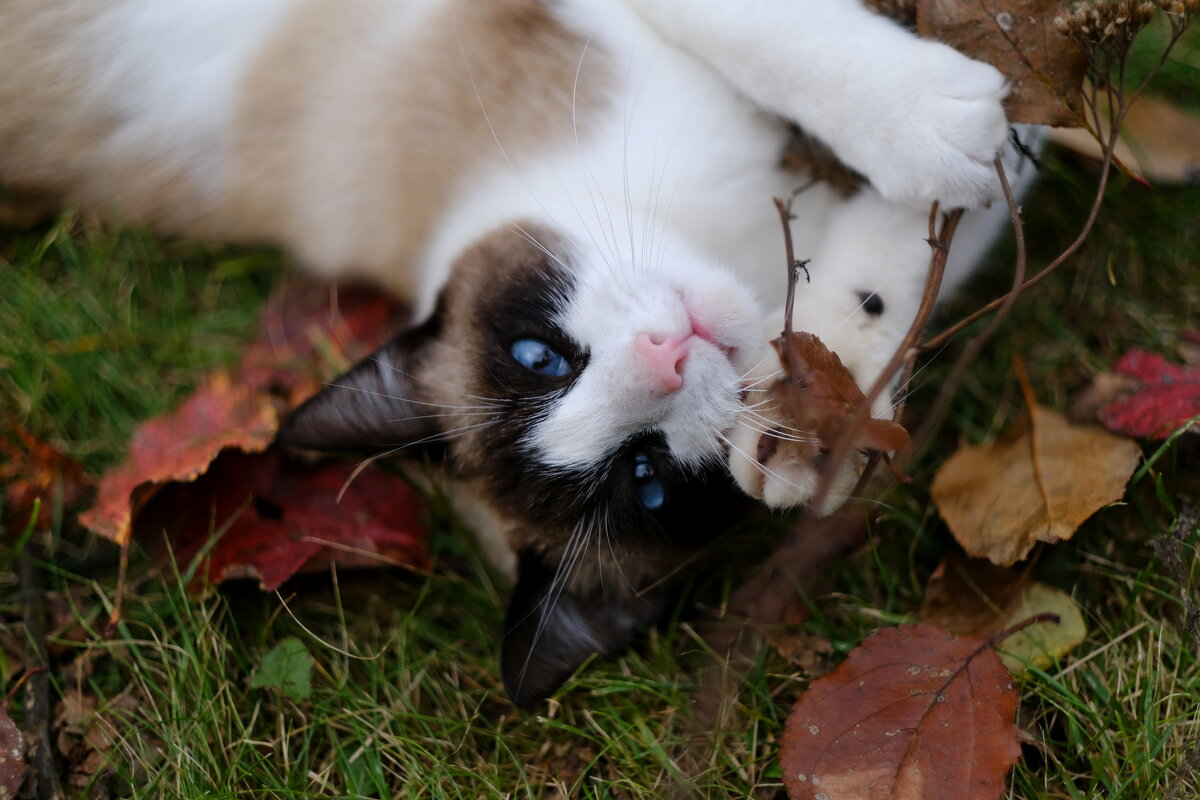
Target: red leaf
(31, 470)
(914, 713)
(276, 518)
(314, 331)
(203, 467)
(179, 446)
(1167, 397)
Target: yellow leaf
(1000, 499)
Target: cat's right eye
(537, 356)
(650, 488)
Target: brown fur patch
(53, 122)
(404, 124)
(347, 142)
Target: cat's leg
(919, 119)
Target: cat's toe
(785, 472)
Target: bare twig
(939, 243)
(950, 386)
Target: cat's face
(586, 400)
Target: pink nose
(664, 355)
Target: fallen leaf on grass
(287, 667)
(1044, 68)
(975, 597)
(32, 470)
(1144, 396)
(85, 736)
(179, 446)
(914, 713)
(312, 332)
(12, 755)
(206, 466)
(1038, 484)
(276, 518)
(811, 652)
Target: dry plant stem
(40, 753)
(114, 617)
(940, 244)
(1035, 450)
(972, 350)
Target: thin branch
(972, 350)
(940, 245)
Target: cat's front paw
(775, 461)
(936, 124)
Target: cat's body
(576, 194)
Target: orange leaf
(32, 470)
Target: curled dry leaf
(1158, 142)
(914, 713)
(1037, 484)
(974, 596)
(1045, 69)
(1145, 396)
(818, 393)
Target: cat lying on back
(577, 196)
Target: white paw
(773, 461)
(934, 125)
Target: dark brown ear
(549, 632)
(375, 406)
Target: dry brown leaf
(1044, 68)
(811, 652)
(914, 713)
(1036, 485)
(819, 394)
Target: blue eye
(649, 486)
(537, 356)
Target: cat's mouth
(704, 330)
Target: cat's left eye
(537, 356)
(649, 486)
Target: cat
(576, 196)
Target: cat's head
(586, 401)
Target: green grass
(103, 328)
